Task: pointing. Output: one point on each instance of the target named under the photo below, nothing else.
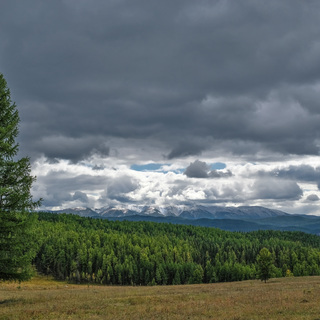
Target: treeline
(144, 253)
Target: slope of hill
(123, 252)
(243, 218)
(186, 211)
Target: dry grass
(287, 298)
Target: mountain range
(242, 218)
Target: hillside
(183, 211)
(87, 250)
(226, 218)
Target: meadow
(44, 298)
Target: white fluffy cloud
(65, 184)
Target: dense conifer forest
(87, 250)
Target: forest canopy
(87, 250)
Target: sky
(144, 102)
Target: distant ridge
(242, 218)
(185, 211)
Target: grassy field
(41, 298)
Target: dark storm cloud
(232, 193)
(185, 149)
(313, 197)
(200, 169)
(197, 169)
(118, 188)
(304, 173)
(78, 195)
(276, 189)
(74, 149)
(60, 187)
(232, 74)
(56, 198)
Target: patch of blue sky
(218, 166)
(158, 167)
(147, 167)
(179, 171)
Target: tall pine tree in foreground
(16, 204)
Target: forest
(88, 250)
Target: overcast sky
(167, 102)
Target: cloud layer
(111, 84)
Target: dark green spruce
(16, 235)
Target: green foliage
(144, 253)
(15, 199)
(289, 273)
(265, 264)
(17, 245)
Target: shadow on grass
(10, 301)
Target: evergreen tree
(15, 198)
(265, 264)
